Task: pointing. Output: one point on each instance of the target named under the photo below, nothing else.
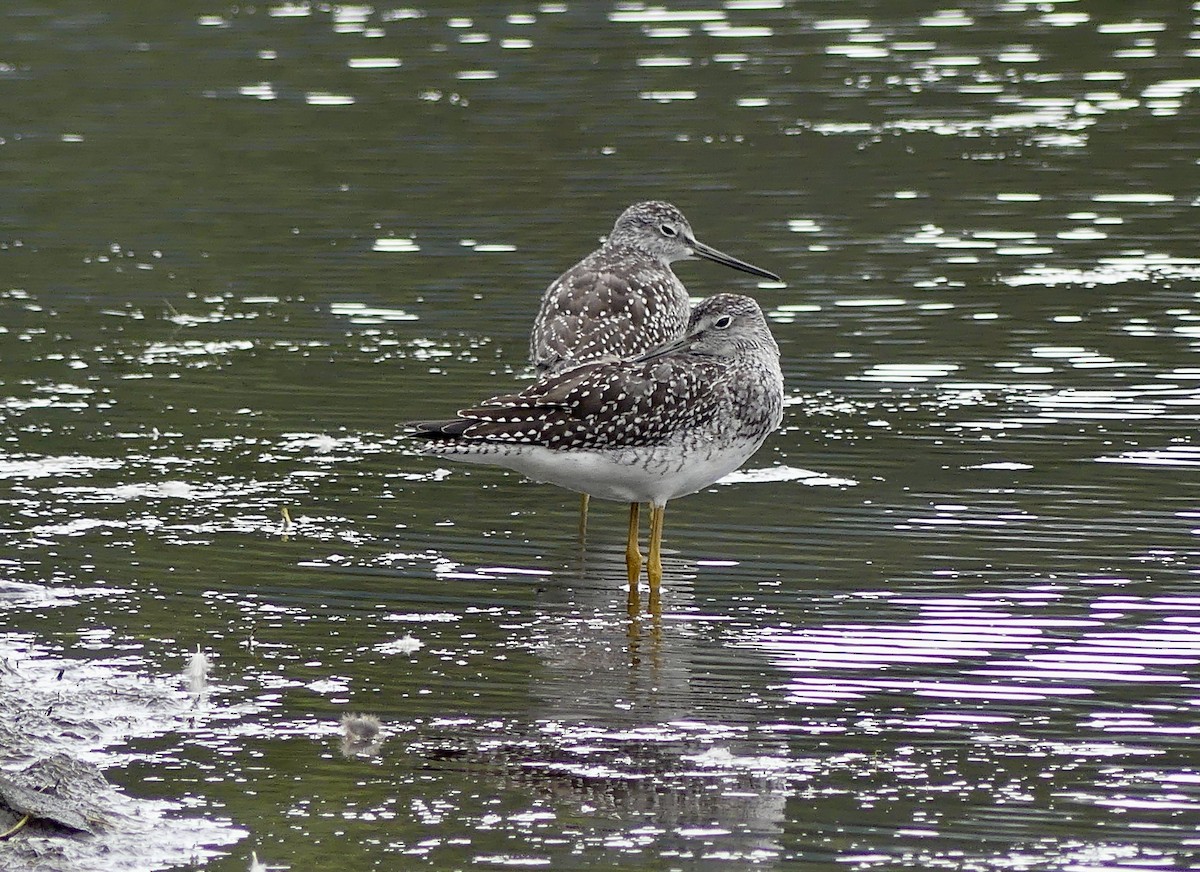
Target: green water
(946, 617)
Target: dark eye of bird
(724, 321)
(667, 229)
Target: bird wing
(595, 310)
(595, 405)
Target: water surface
(945, 619)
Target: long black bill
(665, 349)
(709, 253)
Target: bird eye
(723, 322)
(667, 230)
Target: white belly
(632, 475)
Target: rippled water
(945, 619)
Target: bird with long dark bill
(645, 430)
(623, 299)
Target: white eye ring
(723, 322)
(667, 230)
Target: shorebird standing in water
(623, 299)
(643, 430)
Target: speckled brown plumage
(622, 299)
(645, 430)
(597, 405)
(663, 421)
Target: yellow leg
(633, 559)
(583, 507)
(654, 562)
(12, 831)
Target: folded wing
(597, 405)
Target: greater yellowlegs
(644, 430)
(623, 299)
